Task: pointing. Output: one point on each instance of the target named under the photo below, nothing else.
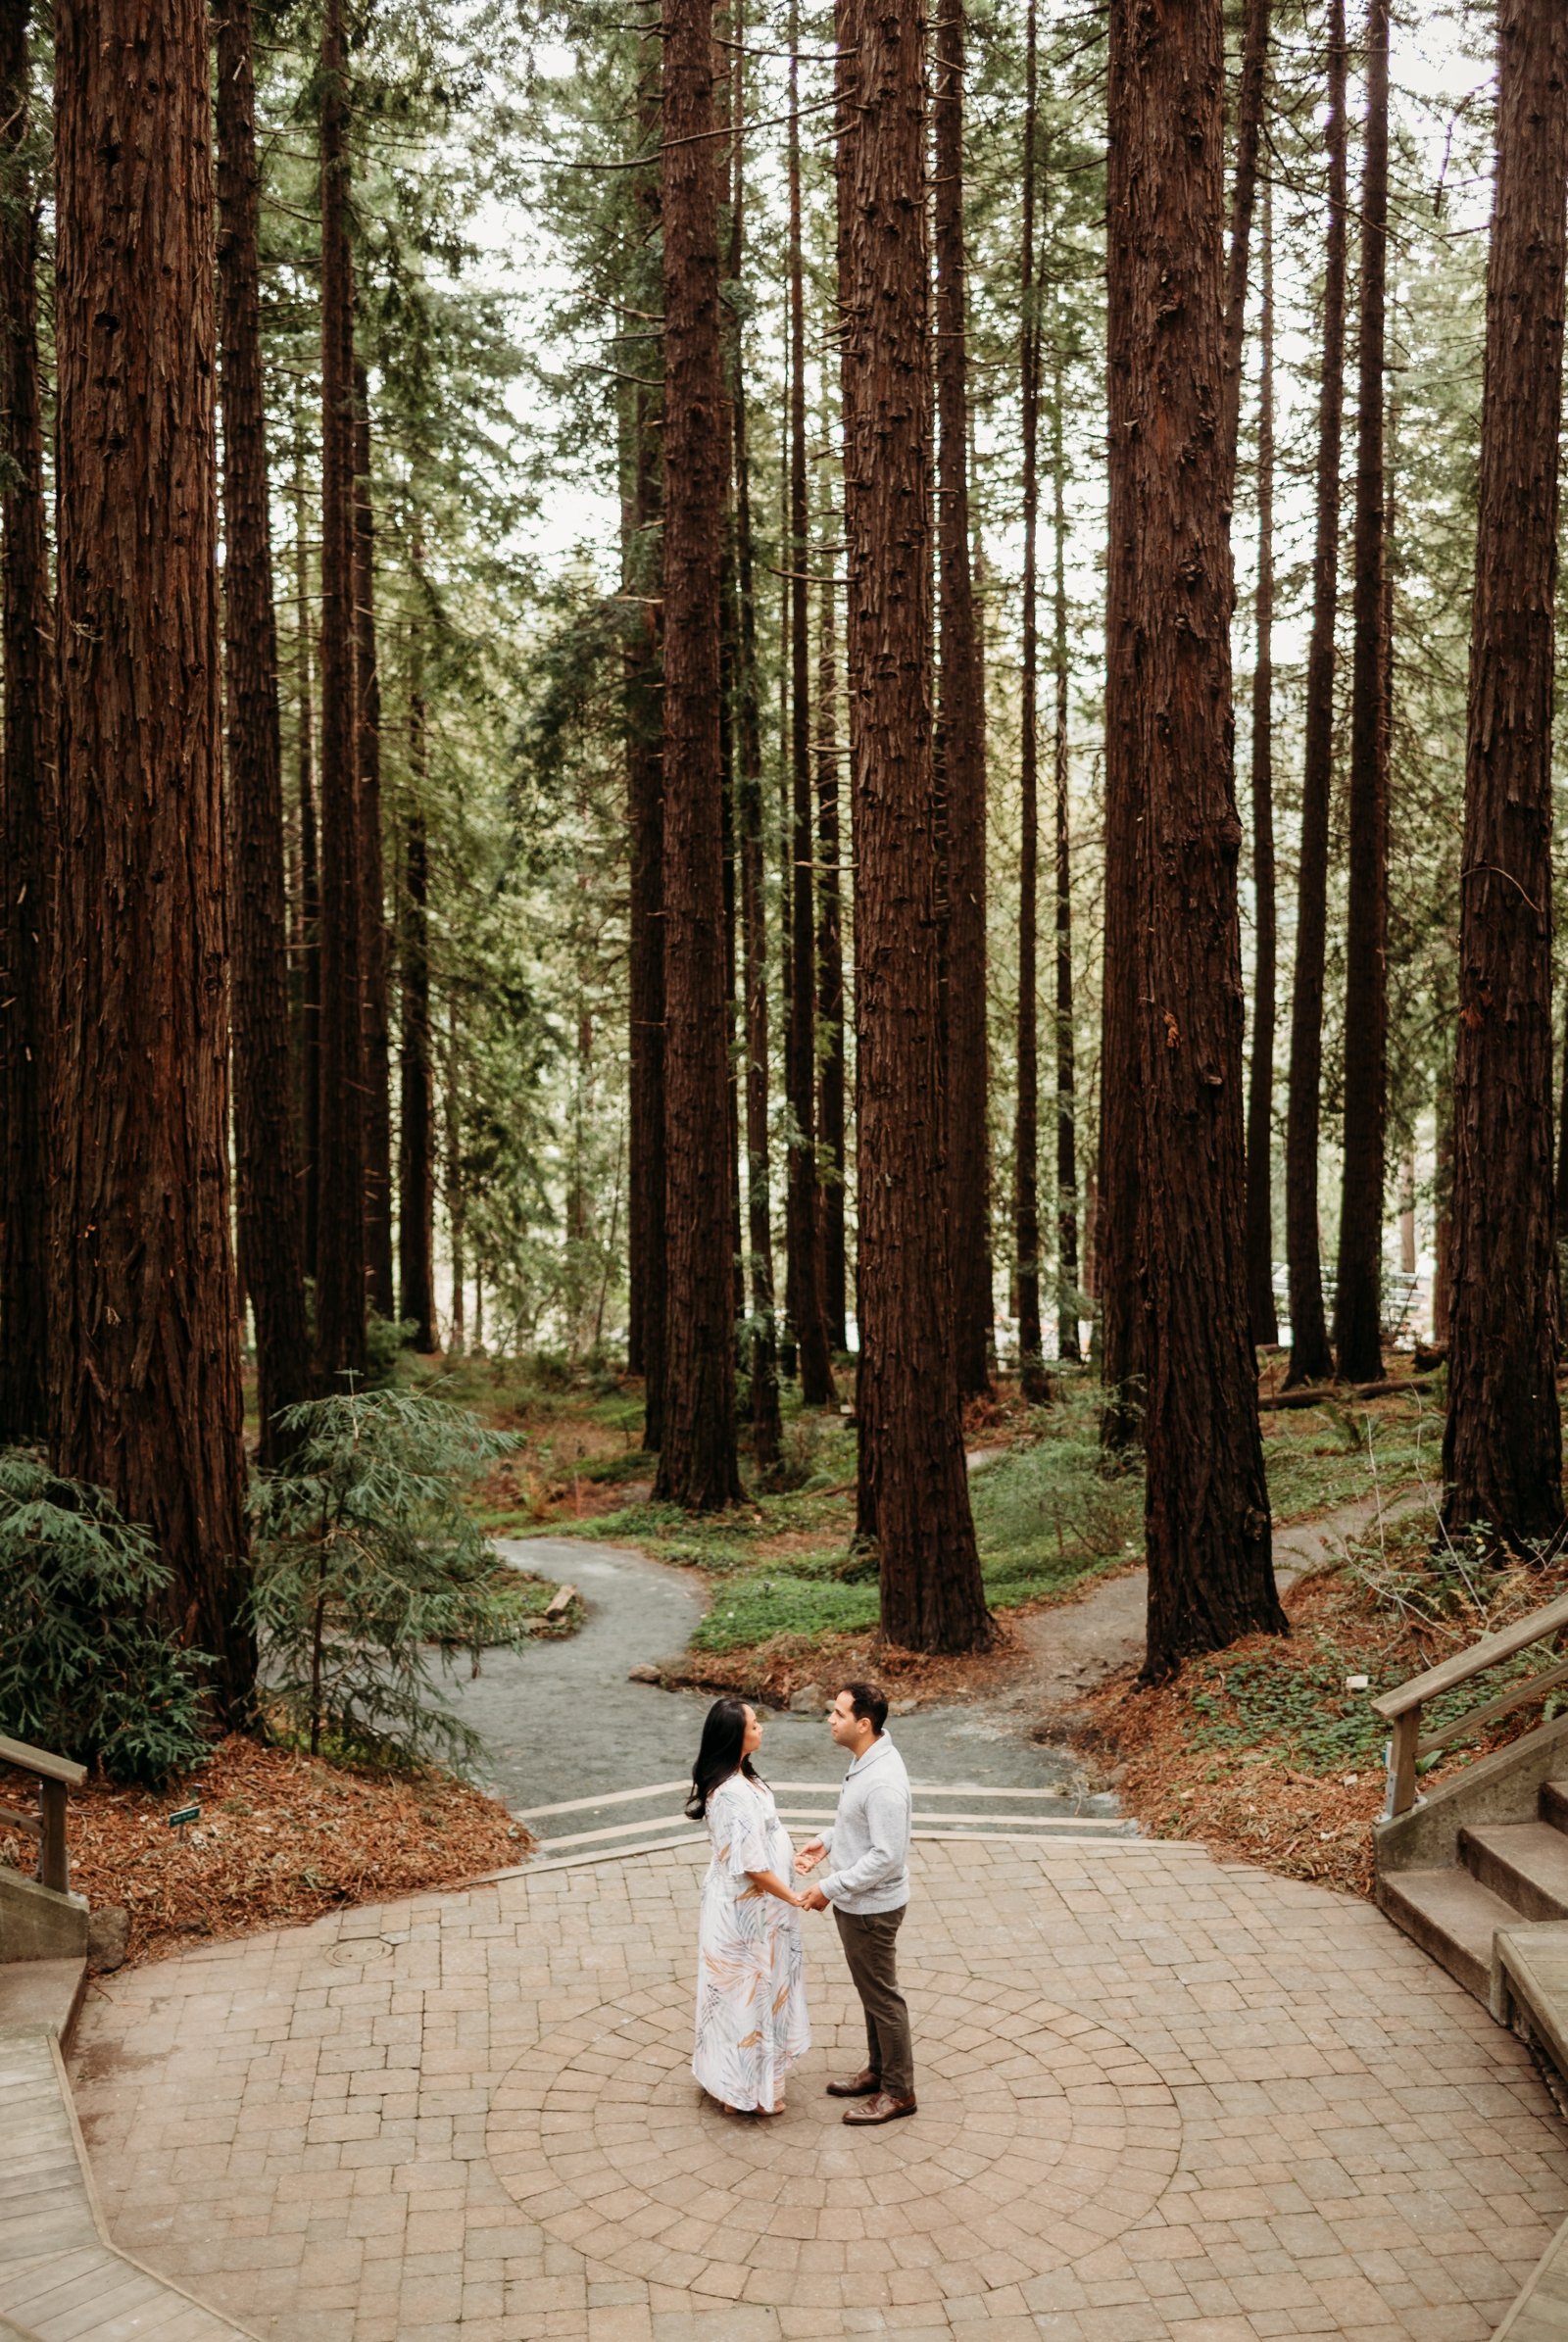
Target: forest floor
(1264, 1750)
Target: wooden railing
(54, 1775)
(1403, 1708)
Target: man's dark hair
(866, 1700)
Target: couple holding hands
(751, 2018)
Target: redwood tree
(697, 1465)
(144, 1335)
(1311, 1358)
(1032, 1376)
(642, 689)
(1206, 1516)
(913, 1497)
(27, 775)
(1260, 1072)
(1502, 1449)
(416, 1080)
(962, 742)
(1066, 1071)
(341, 1263)
(1118, 1221)
(1358, 1286)
(374, 942)
(268, 1193)
(830, 961)
(803, 1229)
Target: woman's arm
(773, 1885)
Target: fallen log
(1317, 1395)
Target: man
(869, 1889)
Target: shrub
(369, 1576)
(85, 1666)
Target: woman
(752, 2023)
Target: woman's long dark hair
(719, 1755)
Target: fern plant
(86, 1667)
(370, 1579)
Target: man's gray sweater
(870, 1840)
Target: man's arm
(887, 1822)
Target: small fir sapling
(371, 1578)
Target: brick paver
(1162, 2100)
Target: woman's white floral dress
(752, 2020)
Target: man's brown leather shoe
(883, 2107)
(863, 2084)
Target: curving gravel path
(560, 1720)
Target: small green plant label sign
(186, 1812)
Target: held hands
(814, 1900)
(808, 1857)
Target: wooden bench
(55, 1775)
(1402, 1708)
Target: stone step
(1541, 2313)
(43, 1992)
(1452, 1916)
(1526, 1863)
(1555, 1803)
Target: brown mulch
(281, 1838)
(769, 1671)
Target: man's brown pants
(870, 1946)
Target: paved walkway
(1162, 2100)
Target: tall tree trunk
(310, 1032)
(267, 1218)
(144, 1334)
(1206, 1515)
(962, 742)
(26, 778)
(803, 1230)
(642, 702)
(457, 1198)
(763, 1360)
(375, 941)
(1067, 1344)
(417, 1102)
(1261, 1073)
(1244, 192)
(1502, 1445)
(1312, 1359)
(830, 953)
(697, 1465)
(1033, 1380)
(340, 1265)
(1359, 1289)
(1118, 1238)
(913, 1498)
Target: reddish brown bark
(269, 1226)
(1067, 1343)
(1117, 1238)
(1026, 1126)
(830, 963)
(26, 777)
(144, 1338)
(912, 1493)
(309, 1050)
(341, 1263)
(1502, 1445)
(417, 1083)
(1358, 1286)
(1261, 1073)
(802, 1224)
(763, 1347)
(697, 1465)
(643, 703)
(1206, 1514)
(375, 954)
(1312, 1359)
(961, 716)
